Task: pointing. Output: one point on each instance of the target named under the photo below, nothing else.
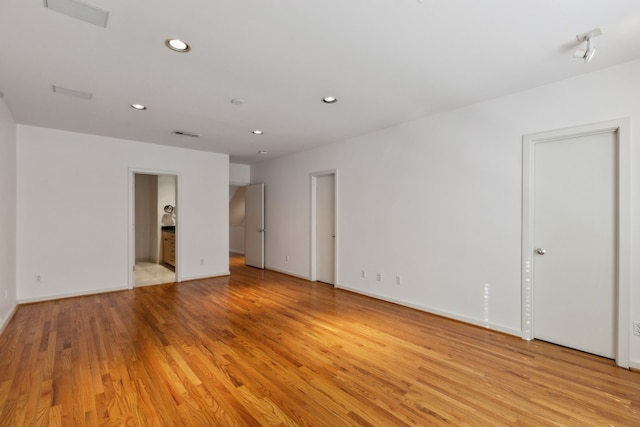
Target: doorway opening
(236, 222)
(324, 227)
(575, 241)
(153, 217)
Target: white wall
(239, 174)
(438, 200)
(145, 196)
(7, 214)
(73, 210)
(166, 196)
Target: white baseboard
(103, 290)
(206, 276)
(488, 325)
(70, 295)
(236, 251)
(634, 365)
(7, 319)
(288, 273)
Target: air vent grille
(80, 10)
(72, 92)
(185, 133)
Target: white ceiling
(388, 62)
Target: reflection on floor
(235, 260)
(148, 273)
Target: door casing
(621, 127)
(131, 280)
(313, 225)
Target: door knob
(541, 251)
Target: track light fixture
(587, 54)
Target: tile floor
(148, 273)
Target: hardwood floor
(262, 348)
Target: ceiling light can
(177, 45)
(257, 132)
(262, 152)
(138, 107)
(329, 99)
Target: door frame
(313, 180)
(131, 250)
(623, 179)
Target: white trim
(107, 290)
(313, 180)
(621, 126)
(288, 273)
(72, 295)
(131, 253)
(206, 276)
(442, 313)
(634, 365)
(7, 319)
(144, 285)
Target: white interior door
(254, 225)
(575, 241)
(325, 228)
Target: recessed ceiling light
(138, 107)
(237, 101)
(262, 152)
(330, 100)
(177, 45)
(257, 132)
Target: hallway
(149, 273)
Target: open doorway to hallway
(155, 229)
(236, 219)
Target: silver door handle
(261, 230)
(333, 235)
(541, 251)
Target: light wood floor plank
(261, 348)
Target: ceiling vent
(80, 10)
(185, 133)
(72, 92)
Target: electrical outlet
(286, 258)
(379, 277)
(398, 280)
(363, 274)
(636, 328)
(201, 261)
(38, 278)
